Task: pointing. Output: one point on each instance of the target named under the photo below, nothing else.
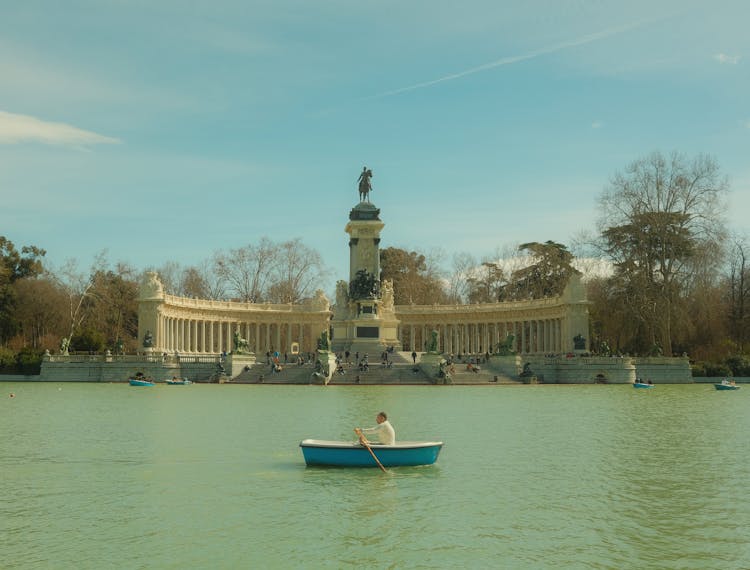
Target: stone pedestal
(236, 363)
(429, 364)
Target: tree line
(676, 279)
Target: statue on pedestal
(432, 345)
(324, 344)
(365, 186)
(505, 348)
(241, 346)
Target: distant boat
(352, 454)
(642, 385)
(140, 382)
(726, 385)
(179, 382)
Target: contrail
(513, 59)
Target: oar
(363, 441)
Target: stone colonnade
(539, 326)
(534, 336)
(199, 326)
(209, 336)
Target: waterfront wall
(610, 370)
(104, 368)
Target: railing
(136, 358)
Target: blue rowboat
(353, 454)
(136, 382)
(642, 385)
(723, 386)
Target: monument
(364, 318)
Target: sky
(165, 131)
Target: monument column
(364, 317)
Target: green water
(211, 476)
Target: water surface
(211, 476)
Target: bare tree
(659, 219)
(77, 286)
(457, 282)
(297, 272)
(169, 275)
(738, 291)
(247, 270)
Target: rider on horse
(364, 184)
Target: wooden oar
(363, 441)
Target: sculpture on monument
(148, 340)
(324, 343)
(151, 285)
(505, 348)
(432, 345)
(387, 294)
(579, 342)
(241, 345)
(64, 344)
(365, 186)
(363, 286)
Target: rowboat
(642, 385)
(182, 382)
(353, 454)
(726, 386)
(139, 382)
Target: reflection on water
(530, 477)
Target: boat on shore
(642, 385)
(726, 385)
(141, 382)
(354, 454)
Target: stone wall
(610, 370)
(100, 368)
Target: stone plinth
(429, 364)
(236, 363)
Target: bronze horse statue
(365, 186)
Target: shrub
(739, 365)
(88, 340)
(7, 360)
(29, 360)
(717, 369)
(698, 370)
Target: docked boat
(354, 454)
(140, 382)
(642, 385)
(178, 382)
(726, 385)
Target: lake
(211, 476)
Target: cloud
(16, 129)
(513, 59)
(597, 125)
(729, 59)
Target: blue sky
(163, 131)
